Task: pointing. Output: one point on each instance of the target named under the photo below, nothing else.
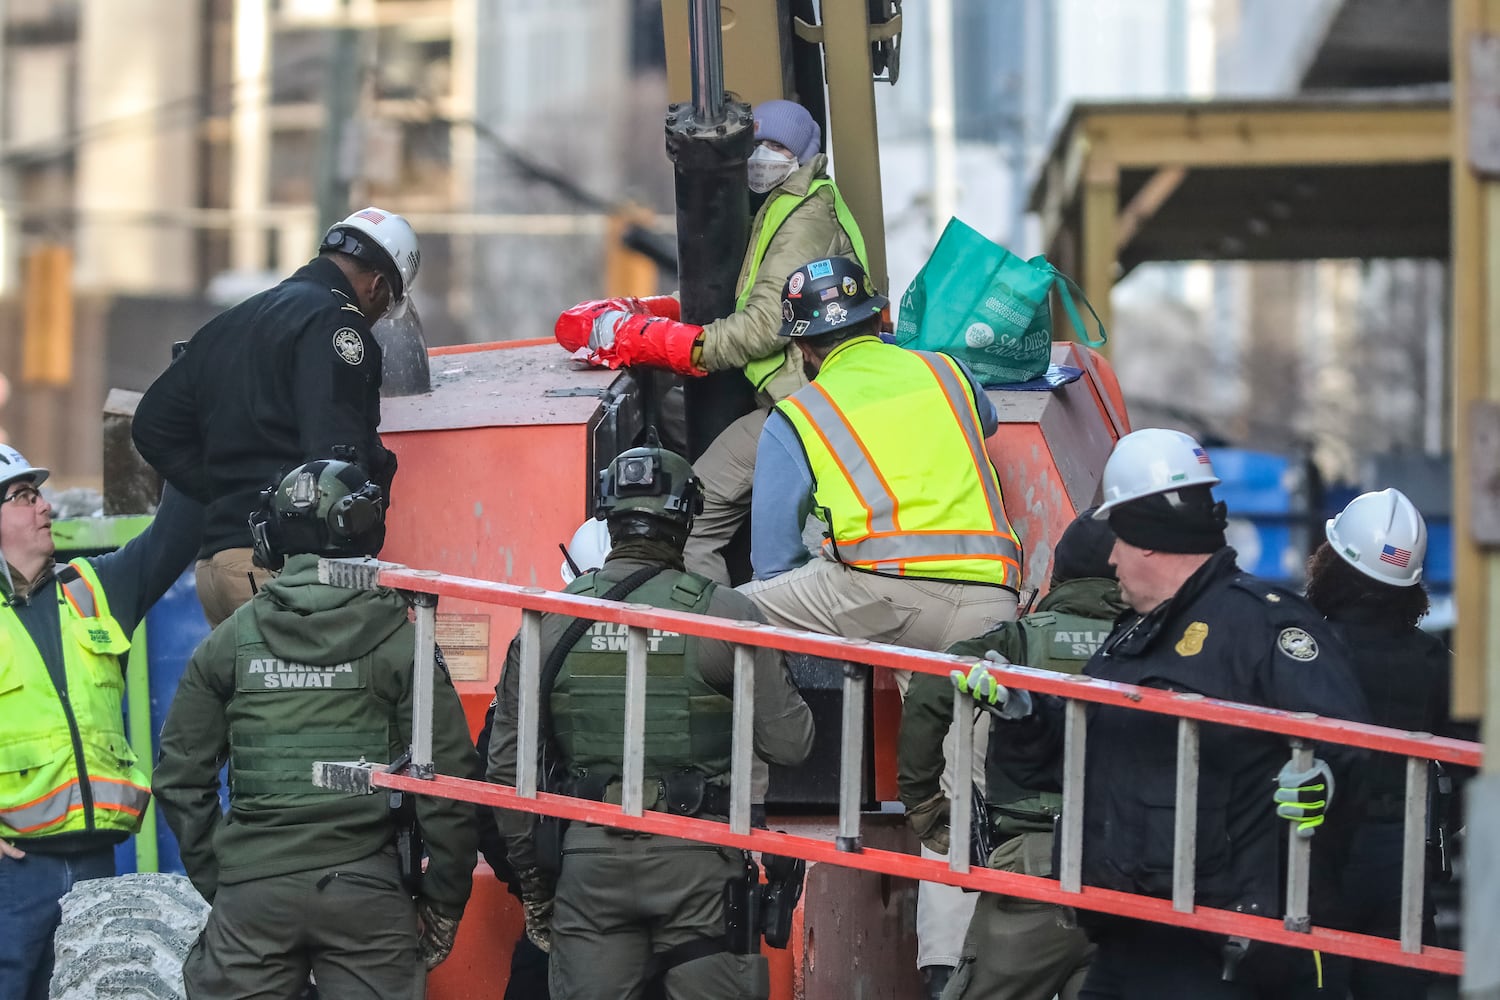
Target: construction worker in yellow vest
(70, 789)
(799, 215)
(886, 447)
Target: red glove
(642, 339)
(576, 327)
(665, 306)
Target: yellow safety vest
(780, 208)
(900, 471)
(47, 784)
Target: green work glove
(989, 693)
(929, 821)
(1302, 797)
(536, 899)
(435, 934)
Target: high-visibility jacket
(900, 473)
(65, 765)
(776, 212)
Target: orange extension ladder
(846, 848)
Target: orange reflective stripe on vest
(38, 815)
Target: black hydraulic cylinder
(713, 230)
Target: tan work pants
(727, 473)
(825, 596)
(224, 582)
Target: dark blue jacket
(271, 383)
(1227, 635)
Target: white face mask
(768, 168)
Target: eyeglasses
(26, 496)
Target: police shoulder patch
(348, 345)
(1298, 644)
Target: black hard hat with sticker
(826, 296)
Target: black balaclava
(1186, 521)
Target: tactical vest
(776, 212)
(48, 783)
(1049, 641)
(900, 469)
(688, 723)
(285, 715)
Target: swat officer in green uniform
(1015, 949)
(303, 878)
(627, 908)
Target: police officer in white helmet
(1196, 623)
(1366, 579)
(285, 377)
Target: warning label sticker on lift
(465, 642)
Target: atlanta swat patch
(350, 348)
(1297, 644)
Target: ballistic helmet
(325, 508)
(14, 467)
(649, 492)
(1383, 536)
(1153, 461)
(828, 296)
(384, 241)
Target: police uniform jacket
(1404, 673)
(278, 380)
(1226, 635)
(783, 726)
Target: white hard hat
(1152, 461)
(588, 548)
(13, 466)
(394, 243)
(1383, 536)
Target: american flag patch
(370, 215)
(1394, 556)
(1202, 456)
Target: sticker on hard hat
(820, 269)
(828, 293)
(849, 285)
(837, 313)
(1297, 644)
(350, 348)
(786, 310)
(794, 284)
(800, 327)
(371, 215)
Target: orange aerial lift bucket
(496, 470)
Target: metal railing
(1301, 729)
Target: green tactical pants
(351, 925)
(1017, 949)
(622, 898)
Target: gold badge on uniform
(1191, 643)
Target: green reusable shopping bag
(976, 301)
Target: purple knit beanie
(788, 123)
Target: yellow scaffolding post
(1476, 467)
